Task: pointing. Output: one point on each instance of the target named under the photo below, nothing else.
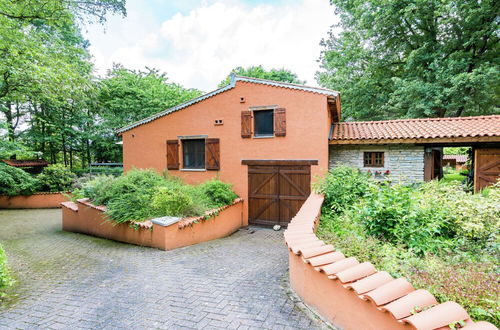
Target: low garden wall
(35, 201)
(163, 233)
(354, 295)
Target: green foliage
(220, 193)
(55, 178)
(282, 74)
(415, 58)
(5, 279)
(115, 171)
(152, 195)
(175, 202)
(435, 234)
(456, 150)
(14, 181)
(342, 187)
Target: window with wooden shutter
(172, 154)
(212, 154)
(246, 124)
(279, 122)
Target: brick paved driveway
(75, 281)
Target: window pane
(373, 159)
(193, 153)
(367, 158)
(264, 122)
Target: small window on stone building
(373, 159)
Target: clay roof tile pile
(25, 163)
(395, 296)
(426, 128)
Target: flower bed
(163, 233)
(34, 201)
(355, 295)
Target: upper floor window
(263, 123)
(373, 159)
(193, 153)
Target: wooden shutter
(279, 122)
(172, 154)
(212, 154)
(246, 124)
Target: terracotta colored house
(270, 139)
(267, 138)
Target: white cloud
(199, 49)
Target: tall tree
(414, 58)
(125, 96)
(258, 71)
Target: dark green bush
(342, 187)
(219, 192)
(14, 181)
(56, 178)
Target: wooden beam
(274, 162)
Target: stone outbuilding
(410, 150)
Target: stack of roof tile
(395, 296)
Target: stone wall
(405, 162)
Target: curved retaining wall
(354, 295)
(164, 233)
(36, 201)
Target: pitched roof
(418, 130)
(231, 85)
(458, 158)
(26, 163)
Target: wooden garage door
(276, 192)
(487, 167)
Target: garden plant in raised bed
(435, 234)
(153, 195)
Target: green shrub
(14, 181)
(55, 178)
(128, 197)
(144, 194)
(220, 193)
(342, 187)
(115, 171)
(435, 234)
(96, 188)
(175, 202)
(5, 278)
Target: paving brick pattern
(73, 281)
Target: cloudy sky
(197, 43)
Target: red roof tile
(458, 158)
(26, 163)
(428, 128)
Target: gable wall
(405, 162)
(307, 129)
